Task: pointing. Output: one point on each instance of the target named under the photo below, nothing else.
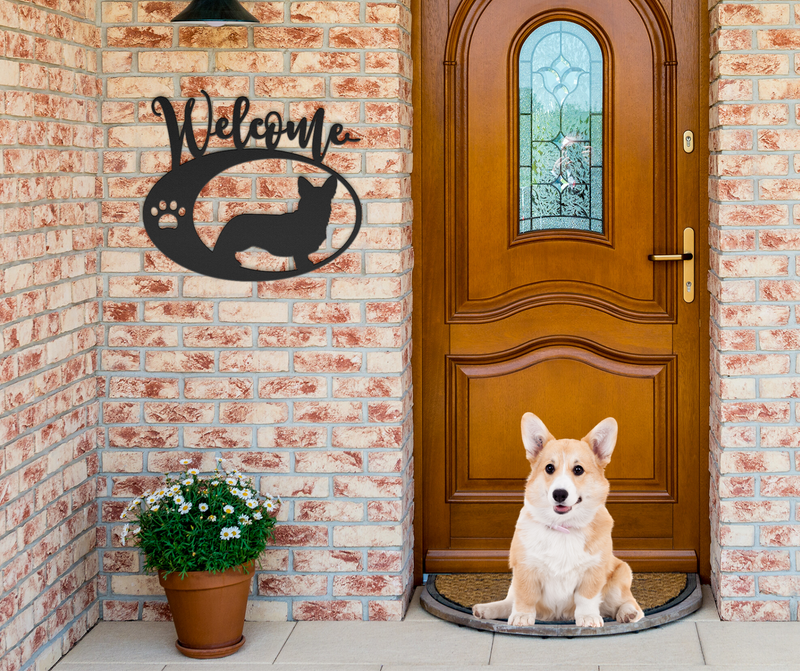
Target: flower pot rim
(203, 580)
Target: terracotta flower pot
(208, 610)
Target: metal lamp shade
(215, 13)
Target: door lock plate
(688, 142)
(688, 265)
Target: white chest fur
(562, 561)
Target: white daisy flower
(175, 489)
(212, 518)
(178, 499)
(193, 471)
(185, 461)
(215, 483)
(235, 532)
(235, 491)
(231, 481)
(155, 507)
(124, 533)
(228, 509)
(243, 519)
(251, 503)
(185, 508)
(246, 493)
(123, 515)
(220, 460)
(136, 531)
(269, 506)
(225, 533)
(257, 516)
(151, 500)
(187, 481)
(161, 493)
(203, 507)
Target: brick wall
(48, 323)
(303, 383)
(755, 286)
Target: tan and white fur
(561, 559)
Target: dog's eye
(549, 469)
(578, 470)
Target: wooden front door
(550, 163)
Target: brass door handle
(671, 257)
(688, 263)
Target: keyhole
(688, 286)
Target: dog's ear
(534, 435)
(304, 187)
(329, 188)
(602, 440)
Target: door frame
(430, 87)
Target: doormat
(664, 597)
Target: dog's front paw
(522, 619)
(588, 620)
(479, 610)
(629, 612)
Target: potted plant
(203, 535)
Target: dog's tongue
(562, 509)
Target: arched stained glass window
(560, 129)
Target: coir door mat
(664, 597)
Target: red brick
(779, 536)
(367, 585)
(172, 361)
(179, 413)
(327, 511)
(133, 387)
(292, 437)
(228, 37)
(327, 610)
(754, 560)
(297, 535)
(292, 585)
(754, 610)
(287, 38)
(223, 388)
(131, 436)
(292, 387)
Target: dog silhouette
(296, 234)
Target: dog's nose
(560, 495)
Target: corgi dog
(561, 560)
(296, 234)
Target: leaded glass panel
(560, 129)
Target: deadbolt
(688, 142)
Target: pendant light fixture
(215, 13)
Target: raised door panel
(565, 382)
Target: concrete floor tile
(118, 643)
(428, 667)
(494, 667)
(84, 666)
(675, 643)
(751, 643)
(230, 664)
(652, 667)
(708, 611)
(659, 667)
(415, 611)
(409, 643)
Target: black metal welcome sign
(294, 234)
